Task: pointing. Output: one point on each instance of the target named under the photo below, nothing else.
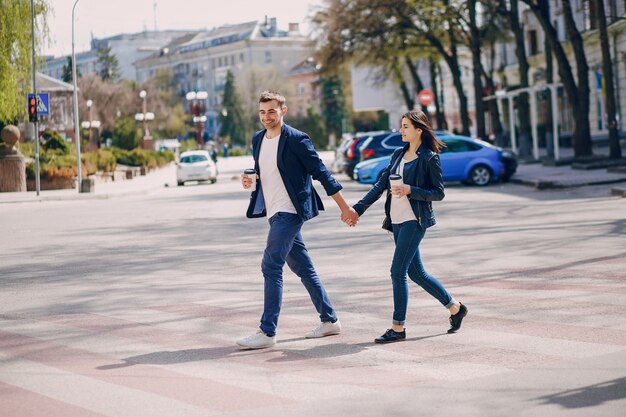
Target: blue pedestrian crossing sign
(42, 103)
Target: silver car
(195, 166)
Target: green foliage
(313, 125)
(187, 145)
(15, 54)
(108, 65)
(234, 124)
(102, 160)
(51, 140)
(67, 71)
(333, 104)
(126, 134)
(370, 121)
(142, 158)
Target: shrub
(125, 134)
(52, 141)
(187, 145)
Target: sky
(103, 18)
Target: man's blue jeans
(285, 244)
(406, 259)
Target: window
(460, 146)
(232, 60)
(241, 57)
(190, 159)
(393, 141)
(268, 57)
(532, 42)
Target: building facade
(200, 61)
(126, 47)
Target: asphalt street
(130, 305)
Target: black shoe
(391, 336)
(456, 319)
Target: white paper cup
(395, 180)
(251, 173)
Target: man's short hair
(268, 95)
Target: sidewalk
(544, 177)
(532, 174)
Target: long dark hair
(419, 120)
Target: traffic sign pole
(32, 18)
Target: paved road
(130, 306)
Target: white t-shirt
(401, 210)
(274, 191)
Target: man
(286, 162)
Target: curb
(545, 185)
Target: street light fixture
(198, 108)
(94, 143)
(145, 117)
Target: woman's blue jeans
(406, 260)
(285, 244)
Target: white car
(195, 166)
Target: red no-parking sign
(425, 97)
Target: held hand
(350, 217)
(401, 190)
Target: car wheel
(480, 175)
(180, 183)
(213, 180)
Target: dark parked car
(352, 155)
(380, 145)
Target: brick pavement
(545, 336)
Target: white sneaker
(324, 329)
(259, 340)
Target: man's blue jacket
(298, 162)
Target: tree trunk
(615, 151)
(577, 95)
(582, 128)
(419, 85)
(550, 116)
(523, 106)
(440, 115)
(449, 53)
(406, 93)
(479, 105)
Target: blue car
(464, 159)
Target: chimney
(294, 29)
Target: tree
(67, 71)
(333, 104)
(110, 100)
(126, 134)
(523, 109)
(233, 120)
(253, 81)
(372, 30)
(16, 55)
(169, 113)
(313, 125)
(108, 65)
(578, 94)
(615, 151)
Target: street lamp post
(145, 117)
(198, 108)
(76, 126)
(90, 125)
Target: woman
(409, 215)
